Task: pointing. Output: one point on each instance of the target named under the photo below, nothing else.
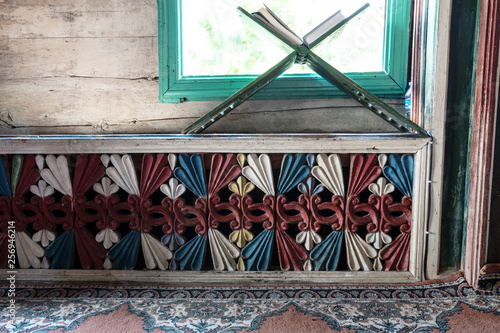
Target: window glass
(216, 42)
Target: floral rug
(444, 306)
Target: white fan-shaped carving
(57, 175)
(223, 251)
(329, 173)
(156, 254)
(308, 265)
(377, 264)
(382, 160)
(108, 264)
(42, 190)
(40, 161)
(105, 160)
(45, 263)
(359, 252)
(44, 237)
(381, 187)
(309, 238)
(28, 251)
(107, 237)
(378, 239)
(123, 173)
(260, 172)
(172, 161)
(106, 187)
(173, 189)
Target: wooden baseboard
(207, 277)
(490, 269)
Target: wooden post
(482, 140)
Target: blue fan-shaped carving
(311, 158)
(310, 188)
(124, 254)
(61, 250)
(192, 254)
(327, 253)
(4, 183)
(173, 242)
(258, 251)
(191, 173)
(293, 171)
(399, 171)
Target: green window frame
(174, 88)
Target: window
(185, 75)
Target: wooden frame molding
(482, 140)
(430, 62)
(264, 143)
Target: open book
(316, 35)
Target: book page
(332, 26)
(279, 26)
(323, 27)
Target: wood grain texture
(482, 140)
(105, 105)
(461, 87)
(81, 67)
(271, 143)
(420, 260)
(180, 277)
(78, 19)
(434, 90)
(418, 63)
(490, 268)
(124, 57)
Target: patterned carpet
(444, 306)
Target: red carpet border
(444, 306)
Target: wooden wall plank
(435, 90)
(463, 43)
(71, 20)
(80, 67)
(483, 136)
(91, 105)
(134, 57)
(91, 4)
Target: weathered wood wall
(461, 89)
(89, 66)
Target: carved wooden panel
(213, 211)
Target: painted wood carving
(399, 171)
(328, 172)
(258, 251)
(24, 176)
(223, 169)
(255, 212)
(139, 212)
